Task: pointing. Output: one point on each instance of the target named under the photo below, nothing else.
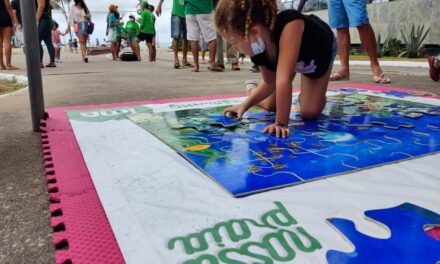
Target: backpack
(90, 28)
(128, 56)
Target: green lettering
(279, 236)
(314, 243)
(223, 256)
(274, 216)
(200, 238)
(245, 248)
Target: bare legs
(312, 100)
(195, 52)
(5, 42)
(368, 39)
(83, 46)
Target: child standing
(281, 45)
(56, 40)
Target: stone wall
(389, 18)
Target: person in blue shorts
(344, 14)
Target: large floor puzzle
(139, 182)
(355, 131)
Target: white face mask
(258, 47)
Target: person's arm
(261, 92)
(143, 19)
(289, 47)
(10, 12)
(290, 44)
(159, 8)
(40, 9)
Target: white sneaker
(250, 85)
(59, 61)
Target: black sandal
(86, 60)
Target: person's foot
(187, 65)
(235, 67)
(41, 65)
(340, 76)
(177, 65)
(59, 61)
(203, 62)
(434, 72)
(254, 68)
(11, 68)
(2, 67)
(221, 66)
(86, 60)
(51, 65)
(195, 69)
(215, 68)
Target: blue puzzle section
(355, 131)
(408, 243)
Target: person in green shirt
(178, 31)
(132, 29)
(200, 20)
(146, 32)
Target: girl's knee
(310, 113)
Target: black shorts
(146, 37)
(5, 19)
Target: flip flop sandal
(338, 77)
(176, 65)
(189, 65)
(235, 67)
(215, 69)
(382, 79)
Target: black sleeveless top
(316, 52)
(47, 12)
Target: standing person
(231, 54)
(199, 19)
(342, 15)
(79, 19)
(45, 23)
(178, 31)
(282, 45)
(56, 41)
(132, 29)
(151, 7)
(113, 24)
(75, 45)
(7, 21)
(119, 30)
(146, 31)
(19, 28)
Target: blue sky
(99, 11)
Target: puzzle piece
(224, 121)
(261, 116)
(408, 243)
(367, 120)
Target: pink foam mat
(82, 232)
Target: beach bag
(90, 28)
(112, 37)
(128, 56)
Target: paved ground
(25, 233)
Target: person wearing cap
(178, 31)
(132, 29)
(113, 24)
(146, 31)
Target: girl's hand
(280, 130)
(235, 111)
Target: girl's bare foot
(195, 69)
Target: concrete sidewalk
(25, 223)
